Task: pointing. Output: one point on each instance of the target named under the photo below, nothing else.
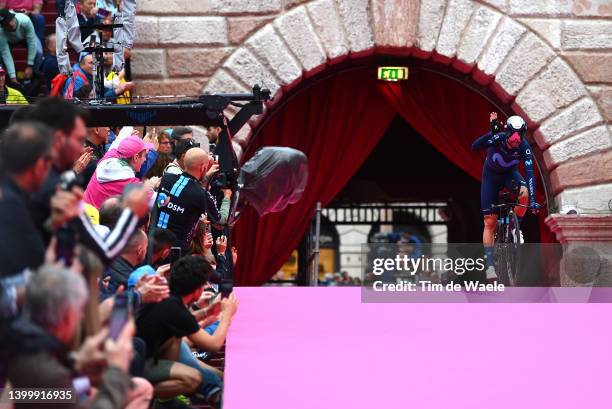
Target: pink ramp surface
(311, 348)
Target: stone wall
(551, 59)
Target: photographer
(177, 166)
(182, 200)
(180, 134)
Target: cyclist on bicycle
(505, 149)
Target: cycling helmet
(516, 124)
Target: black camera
(226, 180)
(183, 146)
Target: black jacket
(119, 272)
(21, 242)
(39, 360)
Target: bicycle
(507, 257)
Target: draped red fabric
(445, 113)
(336, 123)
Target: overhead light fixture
(392, 73)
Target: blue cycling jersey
(501, 159)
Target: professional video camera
(225, 179)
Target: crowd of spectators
(87, 229)
(339, 279)
(23, 24)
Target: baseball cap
(6, 17)
(131, 145)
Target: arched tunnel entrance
(397, 151)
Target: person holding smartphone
(39, 346)
(163, 325)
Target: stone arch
(478, 38)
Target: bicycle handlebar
(501, 205)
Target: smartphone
(175, 254)
(206, 226)
(212, 300)
(64, 245)
(119, 316)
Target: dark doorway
(406, 168)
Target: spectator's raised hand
(89, 359)
(229, 306)
(50, 254)
(119, 353)
(123, 86)
(208, 241)
(152, 288)
(234, 255)
(151, 138)
(212, 170)
(152, 183)
(83, 160)
(164, 270)
(209, 307)
(205, 298)
(221, 244)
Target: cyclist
(505, 149)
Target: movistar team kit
(181, 201)
(500, 168)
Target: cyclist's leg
(489, 192)
(516, 181)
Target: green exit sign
(392, 73)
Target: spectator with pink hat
(118, 170)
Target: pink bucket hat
(131, 145)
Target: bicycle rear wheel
(499, 258)
(513, 249)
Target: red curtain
(336, 123)
(446, 113)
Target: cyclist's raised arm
(528, 161)
(487, 140)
